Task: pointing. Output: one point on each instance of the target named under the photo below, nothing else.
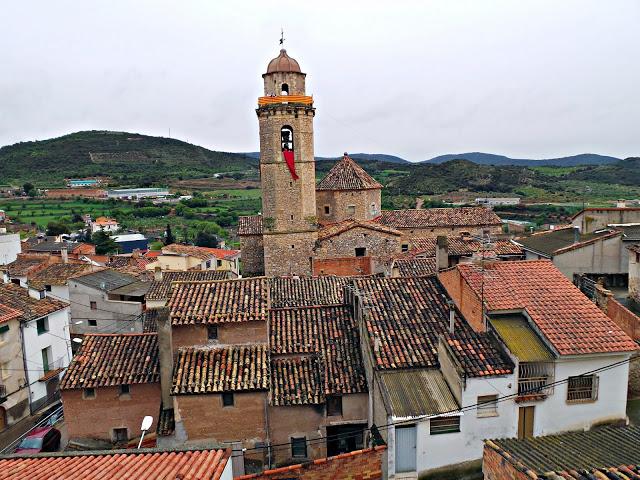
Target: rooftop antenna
(282, 39)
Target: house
(604, 453)
(14, 397)
(129, 242)
(53, 280)
(104, 224)
(598, 253)
(9, 247)
(145, 463)
(227, 259)
(111, 384)
(106, 301)
(458, 248)
(18, 271)
(495, 201)
(634, 273)
(589, 220)
(40, 348)
(176, 257)
(160, 289)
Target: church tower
(287, 169)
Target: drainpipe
(24, 363)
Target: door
(406, 449)
(525, 422)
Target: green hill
(129, 158)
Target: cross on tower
(282, 36)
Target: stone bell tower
(287, 169)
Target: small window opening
(285, 89)
(286, 138)
(212, 332)
(227, 399)
(361, 251)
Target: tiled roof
(24, 265)
(160, 290)
(296, 381)
(408, 315)
(331, 335)
(166, 422)
(7, 313)
(148, 464)
(105, 221)
(106, 360)
(306, 291)
(415, 267)
(18, 298)
(238, 368)
(606, 209)
(217, 302)
(57, 274)
(460, 247)
(150, 320)
(439, 217)
(333, 229)
(120, 261)
(570, 322)
(222, 252)
(561, 240)
(347, 175)
(189, 250)
(105, 280)
(51, 246)
(573, 454)
(250, 225)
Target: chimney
(442, 253)
(452, 316)
(64, 254)
(576, 235)
(165, 355)
(157, 274)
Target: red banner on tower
(290, 159)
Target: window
(125, 389)
(374, 209)
(47, 288)
(361, 251)
(5, 371)
(208, 264)
(405, 247)
(487, 406)
(93, 305)
(327, 210)
(219, 263)
(334, 405)
(4, 329)
(89, 393)
(351, 209)
(444, 425)
(212, 332)
(41, 294)
(582, 389)
(286, 138)
(285, 89)
(15, 281)
(299, 447)
(46, 359)
(42, 325)
(120, 435)
(227, 399)
(92, 323)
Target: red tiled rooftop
(346, 174)
(18, 298)
(569, 320)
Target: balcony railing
(535, 380)
(300, 99)
(49, 368)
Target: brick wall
(464, 297)
(296, 421)
(342, 266)
(496, 467)
(359, 465)
(96, 418)
(622, 316)
(188, 335)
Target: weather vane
(281, 36)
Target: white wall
(9, 248)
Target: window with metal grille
(487, 406)
(120, 435)
(444, 425)
(582, 389)
(299, 447)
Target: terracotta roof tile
(148, 464)
(25, 265)
(408, 315)
(8, 313)
(161, 289)
(18, 298)
(122, 261)
(415, 267)
(237, 368)
(222, 252)
(217, 302)
(333, 229)
(106, 360)
(440, 217)
(201, 253)
(460, 247)
(346, 174)
(306, 291)
(570, 322)
(250, 225)
(57, 274)
(296, 381)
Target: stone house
(111, 384)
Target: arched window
(285, 89)
(286, 138)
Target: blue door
(406, 449)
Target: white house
(9, 247)
(104, 224)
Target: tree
(168, 236)
(204, 239)
(104, 243)
(28, 188)
(57, 228)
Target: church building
(334, 227)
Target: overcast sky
(529, 79)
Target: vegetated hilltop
(129, 158)
(492, 159)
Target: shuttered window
(444, 425)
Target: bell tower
(287, 169)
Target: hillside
(128, 158)
(492, 159)
(360, 157)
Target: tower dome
(283, 63)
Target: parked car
(42, 439)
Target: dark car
(43, 439)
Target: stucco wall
(592, 220)
(17, 404)
(604, 256)
(9, 248)
(634, 276)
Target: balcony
(288, 99)
(535, 381)
(51, 369)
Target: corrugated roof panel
(412, 393)
(521, 340)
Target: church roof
(283, 63)
(347, 175)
